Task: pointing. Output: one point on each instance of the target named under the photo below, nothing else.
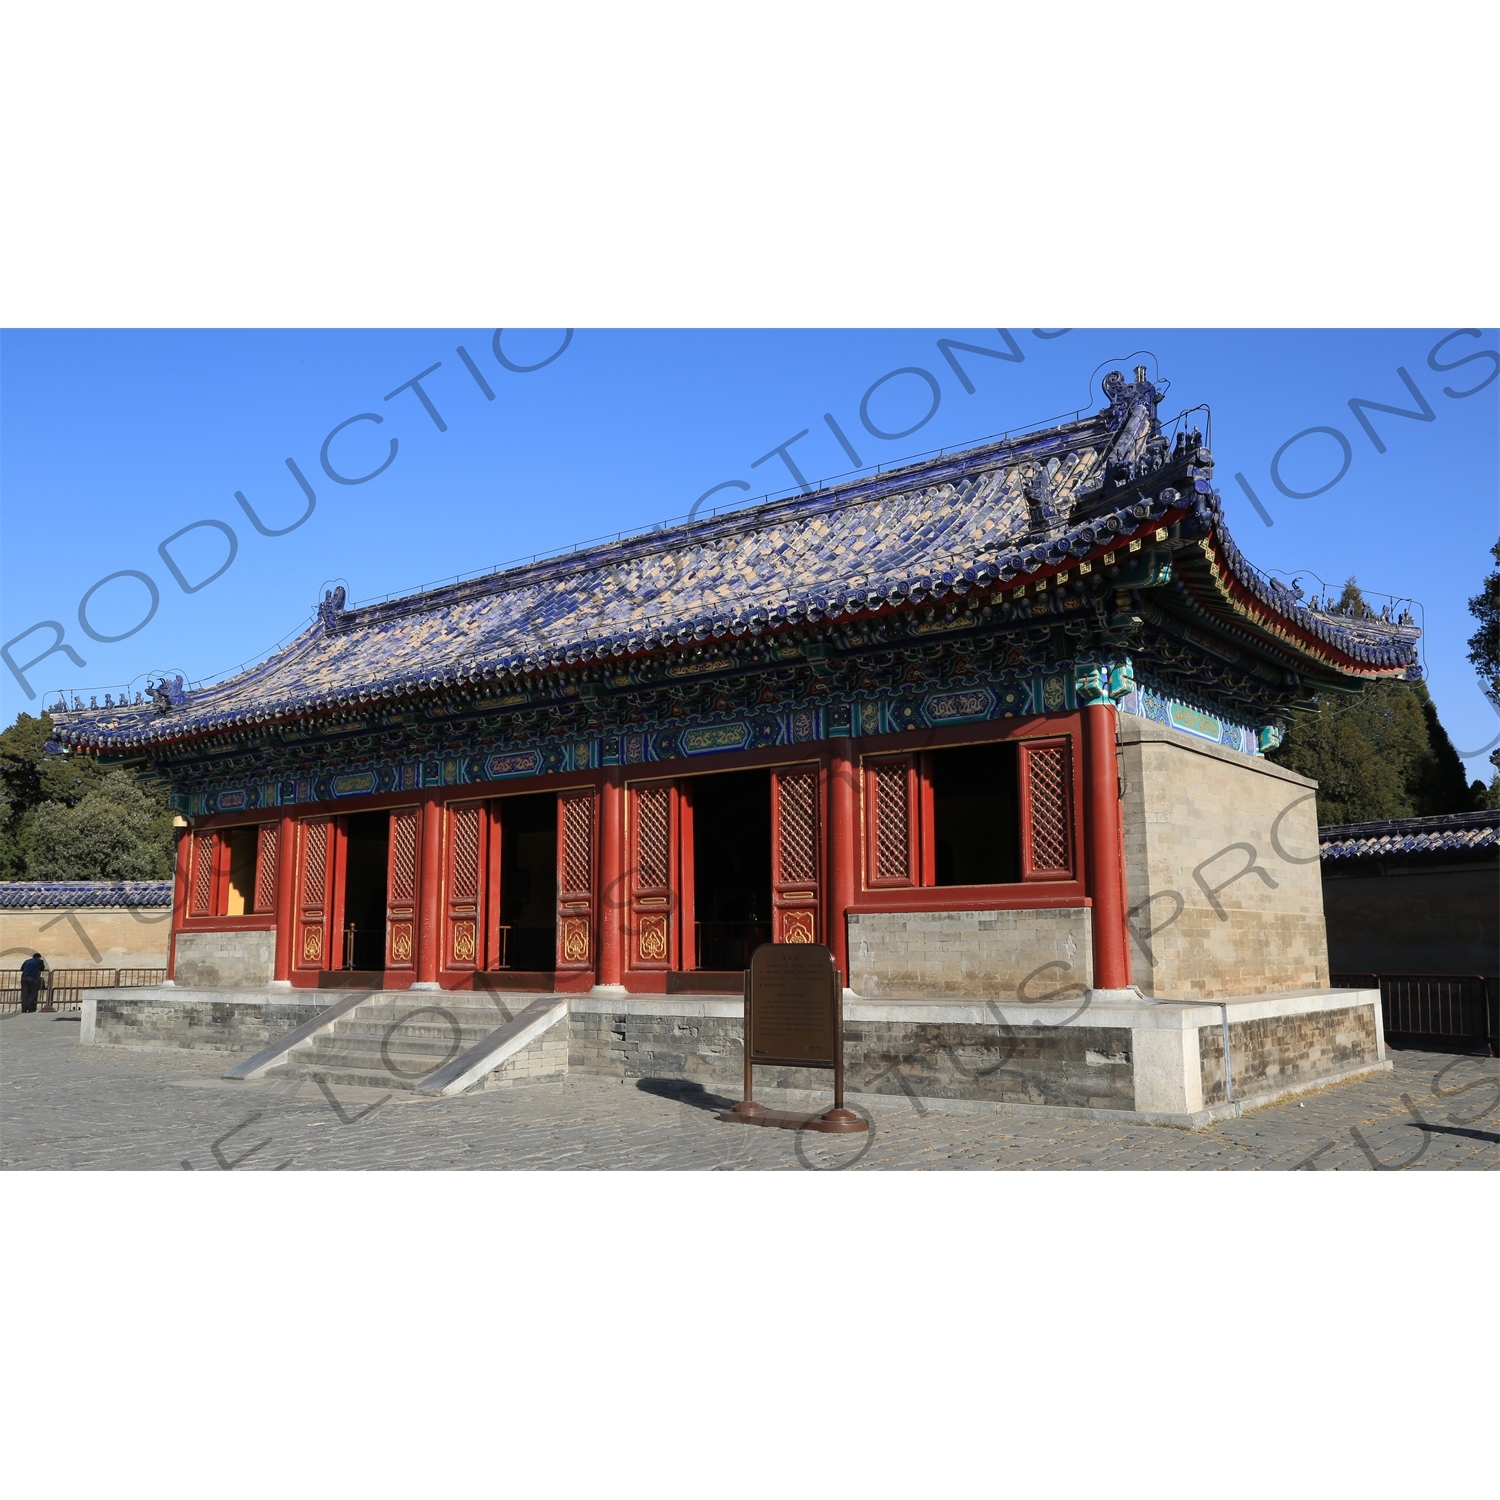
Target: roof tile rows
(1447, 833)
(56, 893)
(934, 529)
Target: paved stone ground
(66, 1106)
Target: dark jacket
(33, 968)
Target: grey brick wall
(1087, 1067)
(987, 955)
(156, 1019)
(1186, 806)
(543, 1060)
(1282, 1051)
(225, 960)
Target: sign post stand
(794, 1017)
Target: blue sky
(112, 441)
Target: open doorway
(976, 817)
(528, 883)
(366, 864)
(731, 867)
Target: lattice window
(892, 822)
(265, 868)
(653, 809)
(799, 827)
(403, 876)
(465, 834)
(203, 874)
(578, 828)
(1048, 771)
(314, 863)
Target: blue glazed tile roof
(56, 893)
(1000, 512)
(1449, 833)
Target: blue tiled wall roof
(55, 893)
(1449, 833)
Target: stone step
(472, 1030)
(348, 1077)
(415, 1048)
(465, 1015)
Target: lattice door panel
(891, 846)
(796, 860)
(204, 853)
(1046, 811)
(575, 880)
(652, 829)
(401, 890)
(463, 886)
(268, 842)
(313, 942)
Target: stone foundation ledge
(1129, 1059)
(153, 1018)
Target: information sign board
(794, 1017)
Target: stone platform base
(1136, 1060)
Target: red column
(843, 842)
(1106, 873)
(183, 837)
(430, 890)
(286, 896)
(614, 898)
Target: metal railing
(1447, 1008)
(62, 989)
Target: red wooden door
(401, 893)
(1046, 774)
(653, 828)
(268, 842)
(315, 854)
(796, 873)
(204, 849)
(463, 886)
(575, 883)
(891, 823)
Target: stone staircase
(395, 1039)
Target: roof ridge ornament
(166, 693)
(1124, 396)
(331, 610)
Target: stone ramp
(430, 1042)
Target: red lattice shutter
(795, 864)
(401, 892)
(265, 868)
(891, 821)
(575, 881)
(201, 892)
(315, 894)
(1046, 811)
(654, 934)
(467, 827)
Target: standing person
(31, 981)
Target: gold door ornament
(463, 942)
(401, 942)
(797, 927)
(653, 939)
(574, 940)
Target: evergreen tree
(1381, 754)
(62, 812)
(112, 833)
(1484, 652)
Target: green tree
(1484, 652)
(1382, 754)
(55, 809)
(112, 833)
